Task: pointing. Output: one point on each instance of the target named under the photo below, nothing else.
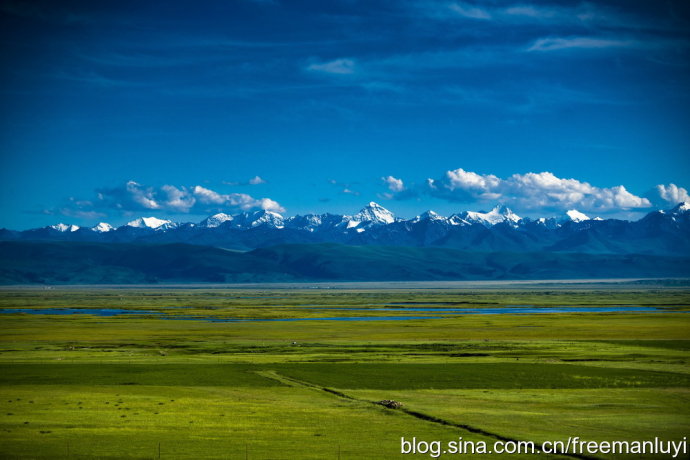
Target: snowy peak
(497, 215)
(660, 232)
(247, 220)
(576, 216)
(215, 220)
(65, 228)
(102, 227)
(680, 208)
(505, 214)
(429, 216)
(548, 222)
(268, 218)
(151, 222)
(373, 213)
(309, 222)
(679, 213)
(371, 218)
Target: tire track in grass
(293, 382)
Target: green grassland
(170, 381)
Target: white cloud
(672, 194)
(469, 11)
(177, 199)
(531, 191)
(394, 185)
(586, 14)
(345, 187)
(342, 66)
(256, 180)
(268, 204)
(350, 192)
(466, 180)
(234, 201)
(530, 11)
(559, 43)
(134, 197)
(140, 195)
(207, 196)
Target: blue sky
(115, 110)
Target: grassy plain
(171, 381)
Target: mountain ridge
(659, 232)
(23, 262)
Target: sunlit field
(297, 373)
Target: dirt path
(290, 381)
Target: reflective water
(445, 312)
(77, 311)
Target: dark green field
(171, 381)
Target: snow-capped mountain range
(500, 229)
(371, 215)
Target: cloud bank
(534, 191)
(134, 197)
(394, 185)
(342, 66)
(558, 43)
(256, 180)
(669, 194)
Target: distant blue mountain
(48, 262)
(499, 230)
